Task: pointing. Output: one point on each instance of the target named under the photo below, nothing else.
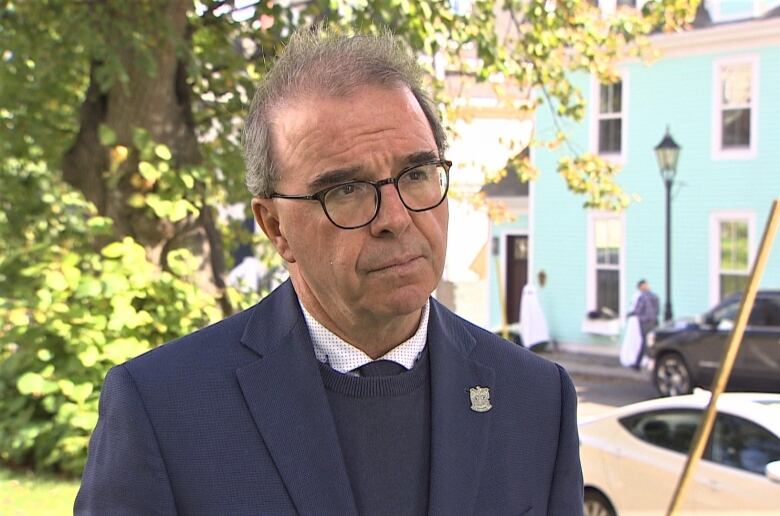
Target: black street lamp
(667, 153)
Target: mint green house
(717, 88)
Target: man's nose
(392, 217)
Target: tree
(120, 137)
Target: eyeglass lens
(355, 204)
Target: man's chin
(400, 302)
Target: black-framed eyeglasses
(356, 204)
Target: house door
(516, 274)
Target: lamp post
(667, 153)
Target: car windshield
(726, 312)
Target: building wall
(675, 91)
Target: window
(626, 3)
(671, 429)
(731, 252)
(608, 233)
(742, 444)
(734, 266)
(610, 118)
(765, 313)
(734, 117)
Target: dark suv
(687, 352)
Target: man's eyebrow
(420, 157)
(334, 177)
(343, 175)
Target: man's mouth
(399, 265)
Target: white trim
(717, 99)
(608, 7)
(716, 217)
(593, 129)
(489, 281)
(610, 328)
(601, 327)
(730, 37)
(532, 220)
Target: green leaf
(89, 357)
(136, 200)
(81, 392)
(141, 139)
(148, 171)
(55, 280)
(30, 383)
(162, 152)
(187, 179)
(85, 421)
(113, 250)
(106, 135)
(18, 317)
(88, 287)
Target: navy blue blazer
(234, 419)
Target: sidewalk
(581, 363)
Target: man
(645, 309)
(283, 409)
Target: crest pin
(480, 399)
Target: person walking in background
(646, 310)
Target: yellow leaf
(117, 156)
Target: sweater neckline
(377, 386)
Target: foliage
(96, 269)
(73, 307)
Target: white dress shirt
(343, 357)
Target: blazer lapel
(285, 395)
(459, 435)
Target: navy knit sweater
(384, 429)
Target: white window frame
(603, 327)
(750, 152)
(716, 217)
(595, 116)
(608, 7)
(714, 7)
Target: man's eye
(344, 190)
(417, 175)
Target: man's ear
(267, 217)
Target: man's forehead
(311, 128)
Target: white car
(633, 456)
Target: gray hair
(316, 61)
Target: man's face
(381, 271)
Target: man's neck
(373, 336)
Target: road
(598, 394)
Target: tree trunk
(159, 103)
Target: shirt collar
(343, 357)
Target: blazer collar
(459, 435)
(287, 399)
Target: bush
(73, 304)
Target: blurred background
(125, 222)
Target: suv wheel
(671, 375)
(596, 504)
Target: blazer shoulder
(206, 345)
(502, 355)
